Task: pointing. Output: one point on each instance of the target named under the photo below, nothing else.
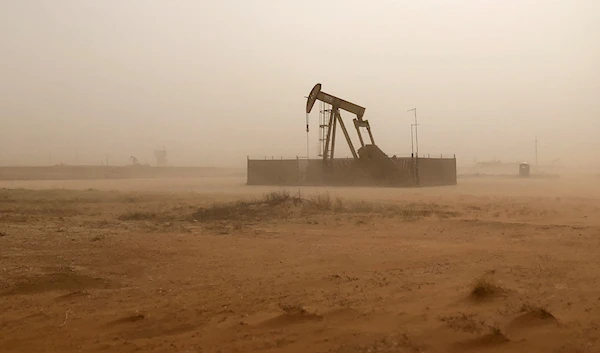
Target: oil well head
(369, 165)
(334, 118)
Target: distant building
(161, 157)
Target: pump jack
(335, 119)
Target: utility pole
(412, 141)
(416, 130)
(307, 140)
(307, 133)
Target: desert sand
(212, 265)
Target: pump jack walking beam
(317, 94)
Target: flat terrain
(211, 265)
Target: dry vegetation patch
(138, 216)
(25, 196)
(20, 206)
(281, 204)
(397, 343)
(464, 322)
(485, 287)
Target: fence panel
(273, 172)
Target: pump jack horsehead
(335, 119)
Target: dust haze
(227, 246)
(214, 82)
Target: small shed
(524, 169)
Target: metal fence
(404, 171)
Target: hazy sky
(214, 81)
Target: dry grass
(320, 202)
(18, 205)
(464, 322)
(269, 206)
(292, 308)
(228, 211)
(52, 198)
(485, 288)
(272, 205)
(281, 204)
(279, 197)
(57, 195)
(397, 343)
(138, 216)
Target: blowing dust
(169, 181)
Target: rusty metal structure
(336, 119)
(369, 165)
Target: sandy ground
(153, 265)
